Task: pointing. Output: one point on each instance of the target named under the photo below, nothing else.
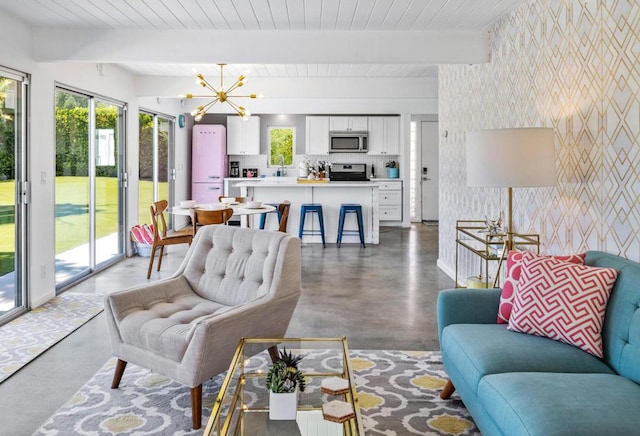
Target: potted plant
(284, 380)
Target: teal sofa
(517, 384)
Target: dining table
(239, 209)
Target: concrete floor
(380, 297)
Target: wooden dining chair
(161, 235)
(283, 211)
(204, 217)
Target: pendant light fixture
(220, 95)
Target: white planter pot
(283, 406)
(303, 173)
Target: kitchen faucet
(283, 172)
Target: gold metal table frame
(472, 235)
(242, 407)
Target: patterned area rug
(398, 393)
(30, 335)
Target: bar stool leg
(303, 215)
(360, 227)
(321, 219)
(341, 226)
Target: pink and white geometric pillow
(562, 301)
(510, 286)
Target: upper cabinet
(243, 136)
(317, 135)
(344, 124)
(384, 135)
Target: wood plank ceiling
(279, 15)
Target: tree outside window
(282, 145)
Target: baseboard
(448, 271)
(41, 300)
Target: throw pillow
(562, 301)
(510, 286)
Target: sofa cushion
(165, 325)
(480, 349)
(547, 404)
(562, 301)
(510, 286)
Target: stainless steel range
(348, 173)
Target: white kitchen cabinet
(390, 200)
(384, 135)
(243, 136)
(344, 124)
(317, 135)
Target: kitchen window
(282, 143)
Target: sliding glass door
(89, 184)
(156, 174)
(109, 193)
(13, 193)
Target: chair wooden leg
(117, 376)
(447, 390)
(151, 257)
(160, 257)
(273, 353)
(196, 406)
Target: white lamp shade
(521, 157)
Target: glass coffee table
(242, 405)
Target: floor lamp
(511, 158)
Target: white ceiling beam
(268, 47)
(299, 87)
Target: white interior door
(429, 170)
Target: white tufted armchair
(233, 283)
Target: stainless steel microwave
(348, 142)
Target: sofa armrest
(467, 306)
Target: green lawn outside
(72, 210)
(72, 217)
(7, 226)
(145, 198)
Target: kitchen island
(329, 194)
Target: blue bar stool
(346, 208)
(311, 208)
(263, 216)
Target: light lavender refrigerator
(208, 162)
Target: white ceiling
(357, 16)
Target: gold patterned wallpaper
(567, 64)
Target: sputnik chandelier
(220, 95)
